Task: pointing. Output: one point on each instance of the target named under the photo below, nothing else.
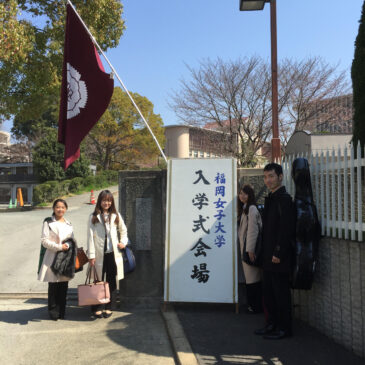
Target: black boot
(269, 328)
(257, 297)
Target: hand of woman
(275, 260)
(252, 256)
(92, 262)
(65, 247)
(121, 246)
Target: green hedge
(51, 190)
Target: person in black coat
(278, 233)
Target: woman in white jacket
(55, 230)
(250, 221)
(106, 237)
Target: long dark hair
(247, 189)
(105, 195)
(59, 201)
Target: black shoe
(54, 316)
(277, 335)
(269, 328)
(100, 315)
(107, 315)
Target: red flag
(86, 89)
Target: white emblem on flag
(76, 92)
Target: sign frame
(170, 277)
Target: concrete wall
(330, 141)
(336, 303)
(177, 141)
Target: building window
(195, 154)
(208, 154)
(201, 154)
(190, 153)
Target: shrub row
(51, 190)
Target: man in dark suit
(278, 233)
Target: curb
(180, 344)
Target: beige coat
(250, 229)
(52, 236)
(95, 243)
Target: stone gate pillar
(142, 202)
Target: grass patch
(43, 205)
(87, 189)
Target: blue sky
(164, 35)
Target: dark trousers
(57, 293)
(110, 272)
(254, 296)
(277, 299)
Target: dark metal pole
(275, 142)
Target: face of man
(272, 180)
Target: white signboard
(201, 231)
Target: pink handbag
(93, 293)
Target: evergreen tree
(48, 160)
(358, 83)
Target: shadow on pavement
(38, 314)
(219, 336)
(142, 331)
(24, 316)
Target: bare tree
(313, 95)
(235, 97)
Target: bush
(65, 186)
(55, 190)
(51, 190)
(100, 180)
(41, 193)
(110, 176)
(75, 184)
(88, 181)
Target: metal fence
(338, 190)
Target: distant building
(183, 141)
(193, 142)
(334, 116)
(16, 170)
(14, 176)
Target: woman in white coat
(106, 237)
(250, 221)
(55, 231)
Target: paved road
(129, 337)
(20, 244)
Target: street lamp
(259, 5)
(252, 5)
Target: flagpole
(119, 79)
